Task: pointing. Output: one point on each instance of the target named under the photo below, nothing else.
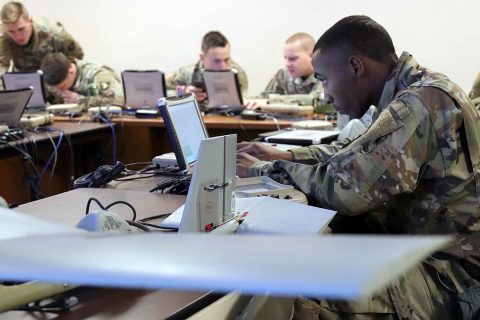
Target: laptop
(12, 106)
(185, 128)
(302, 137)
(38, 102)
(20, 80)
(142, 89)
(223, 89)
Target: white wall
(147, 34)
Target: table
(107, 303)
(142, 139)
(84, 147)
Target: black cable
(140, 225)
(159, 227)
(97, 201)
(174, 185)
(59, 303)
(72, 163)
(32, 177)
(125, 203)
(158, 216)
(137, 163)
(137, 178)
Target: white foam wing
(342, 267)
(14, 224)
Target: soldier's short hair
(55, 68)
(213, 39)
(306, 41)
(12, 11)
(357, 35)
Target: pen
(227, 226)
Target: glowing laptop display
(185, 127)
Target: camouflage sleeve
(109, 88)
(385, 161)
(315, 153)
(274, 85)
(5, 57)
(242, 78)
(475, 92)
(178, 77)
(67, 44)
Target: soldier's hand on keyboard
(263, 151)
(244, 161)
(200, 95)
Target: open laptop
(12, 106)
(20, 80)
(37, 107)
(223, 89)
(185, 128)
(142, 89)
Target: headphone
(103, 175)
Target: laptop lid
(19, 80)
(223, 88)
(185, 128)
(142, 89)
(12, 105)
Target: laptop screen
(20, 80)
(223, 88)
(142, 89)
(185, 128)
(12, 105)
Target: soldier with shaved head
(297, 76)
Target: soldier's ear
(202, 56)
(357, 66)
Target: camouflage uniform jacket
(283, 83)
(192, 74)
(97, 85)
(475, 92)
(418, 162)
(48, 36)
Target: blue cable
(114, 139)
(52, 155)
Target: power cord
(132, 222)
(103, 175)
(55, 304)
(173, 185)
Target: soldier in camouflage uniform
(24, 40)
(215, 55)
(297, 79)
(475, 92)
(414, 171)
(85, 83)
